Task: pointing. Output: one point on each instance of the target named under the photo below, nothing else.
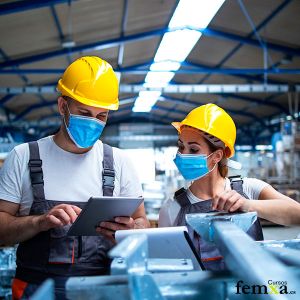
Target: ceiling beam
(123, 28)
(195, 104)
(20, 6)
(33, 107)
(137, 117)
(139, 71)
(173, 89)
(45, 103)
(249, 41)
(57, 24)
(255, 101)
(248, 78)
(85, 47)
(5, 99)
(142, 36)
(260, 26)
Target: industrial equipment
(7, 271)
(267, 270)
(254, 270)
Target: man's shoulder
(45, 140)
(22, 150)
(118, 154)
(18, 155)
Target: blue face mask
(84, 131)
(192, 166)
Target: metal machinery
(7, 271)
(267, 270)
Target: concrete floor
(281, 232)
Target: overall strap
(255, 231)
(108, 173)
(236, 183)
(181, 197)
(36, 172)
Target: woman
(206, 141)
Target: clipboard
(99, 209)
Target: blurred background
(170, 56)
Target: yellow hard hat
(213, 120)
(91, 81)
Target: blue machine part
(202, 223)
(136, 276)
(7, 271)
(246, 259)
(175, 285)
(288, 251)
(250, 262)
(45, 291)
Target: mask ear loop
(68, 108)
(207, 167)
(212, 168)
(215, 163)
(64, 117)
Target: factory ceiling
(249, 42)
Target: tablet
(99, 209)
(167, 242)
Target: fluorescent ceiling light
(263, 147)
(195, 13)
(160, 79)
(165, 66)
(149, 94)
(176, 45)
(243, 148)
(145, 101)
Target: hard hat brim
(231, 151)
(176, 125)
(93, 103)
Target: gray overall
(52, 253)
(210, 255)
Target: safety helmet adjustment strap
(108, 173)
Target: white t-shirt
(169, 211)
(67, 176)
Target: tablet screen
(99, 209)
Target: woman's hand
(230, 201)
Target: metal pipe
(172, 88)
(138, 71)
(248, 261)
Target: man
(45, 184)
